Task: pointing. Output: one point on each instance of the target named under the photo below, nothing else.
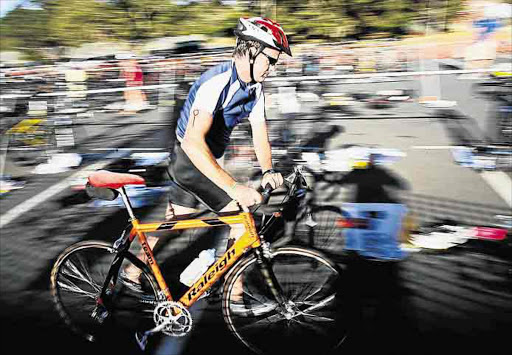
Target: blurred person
(374, 183)
(135, 100)
(482, 52)
(221, 98)
(76, 80)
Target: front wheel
(320, 229)
(308, 323)
(77, 279)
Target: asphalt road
(460, 299)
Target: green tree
(73, 22)
(24, 29)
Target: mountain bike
(273, 300)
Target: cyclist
(220, 99)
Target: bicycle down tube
(248, 240)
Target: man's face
(264, 63)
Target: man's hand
(273, 178)
(245, 196)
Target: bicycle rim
(320, 230)
(76, 282)
(309, 283)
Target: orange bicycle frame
(250, 239)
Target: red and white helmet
(265, 31)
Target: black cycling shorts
(190, 187)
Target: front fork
(264, 260)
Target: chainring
(177, 318)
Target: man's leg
(236, 230)
(173, 210)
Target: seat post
(127, 203)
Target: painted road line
(101, 91)
(435, 147)
(501, 183)
(128, 149)
(29, 204)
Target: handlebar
(266, 194)
(291, 180)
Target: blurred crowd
(189, 59)
(73, 89)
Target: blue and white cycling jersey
(220, 92)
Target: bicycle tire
(326, 236)
(307, 279)
(76, 281)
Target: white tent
(98, 49)
(167, 43)
(11, 58)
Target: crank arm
(142, 338)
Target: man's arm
(264, 154)
(194, 145)
(262, 145)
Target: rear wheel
(77, 279)
(310, 322)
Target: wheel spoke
(253, 297)
(71, 287)
(308, 294)
(74, 271)
(317, 317)
(321, 304)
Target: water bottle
(197, 267)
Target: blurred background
(393, 102)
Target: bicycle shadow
(462, 130)
(372, 295)
(373, 299)
(312, 140)
(374, 184)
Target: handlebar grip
(266, 194)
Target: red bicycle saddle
(104, 178)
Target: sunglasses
(271, 61)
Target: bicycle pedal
(142, 340)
